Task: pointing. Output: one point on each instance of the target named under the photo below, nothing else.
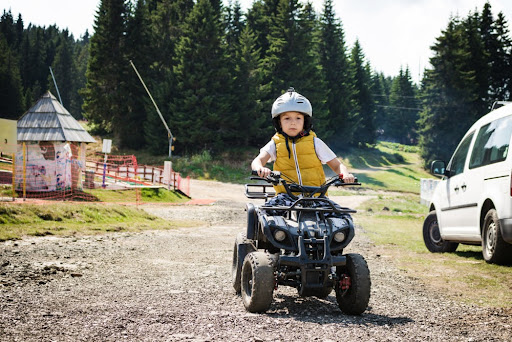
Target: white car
(472, 204)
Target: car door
(457, 207)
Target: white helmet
(291, 102)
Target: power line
(406, 108)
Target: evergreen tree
(363, 117)
(292, 60)
(449, 90)
(381, 91)
(497, 45)
(199, 105)
(260, 18)
(137, 102)
(167, 20)
(336, 73)
(104, 97)
(64, 70)
(11, 98)
(81, 57)
(247, 93)
(403, 110)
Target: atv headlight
(339, 237)
(279, 235)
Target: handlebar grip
(272, 173)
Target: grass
(388, 166)
(147, 195)
(69, 219)
(464, 275)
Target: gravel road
(176, 286)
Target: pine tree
(247, 93)
(363, 117)
(11, 98)
(292, 59)
(64, 70)
(260, 18)
(403, 110)
(200, 109)
(381, 91)
(81, 57)
(335, 68)
(167, 21)
(104, 99)
(137, 102)
(449, 89)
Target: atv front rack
(262, 194)
(294, 207)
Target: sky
(394, 34)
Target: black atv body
(299, 245)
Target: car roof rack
(498, 104)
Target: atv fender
(251, 221)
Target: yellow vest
(302, 165)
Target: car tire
(242, 247)
(432, 236)
(354, 300)
(258, 281)
(494, 249)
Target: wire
(406, 108)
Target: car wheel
(243, 246)
(494, 249)
(353, 287)
(432, 236)
(258, 282)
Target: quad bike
(299, 245)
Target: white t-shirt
(323, 152)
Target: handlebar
(276, 178)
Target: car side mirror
(438, 168)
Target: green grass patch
(387, 166)
(146, 195)
(67, 219)
(463, 275)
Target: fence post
(24, 171)
(13, 175)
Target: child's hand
(264, 172)
(347, 178)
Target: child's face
(292, 123)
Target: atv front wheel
(353, 286)
(243, 246)
(257, 281)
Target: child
(295, 149)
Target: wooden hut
(51, 148)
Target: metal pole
(170, 136)
(55, 82)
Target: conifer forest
(215, 70)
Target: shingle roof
(48, 120)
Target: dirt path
(175, 286)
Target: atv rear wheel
(243, 246)
(257, 281)
(353, 286)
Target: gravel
(175, 285)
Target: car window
(459, 157)
(491, 145)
